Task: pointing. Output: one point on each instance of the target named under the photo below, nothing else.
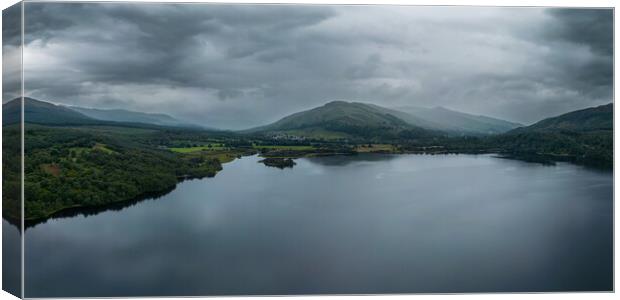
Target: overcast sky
(238, 66)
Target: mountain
(340, 119)
(589, 119)
(583, 136)
(443, 119)
(121, 115)
(41, 112)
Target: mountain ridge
(124, 115)
(341, 118)
(336, 118)
(318, 119)
(41, 112)
(583, 136)
(459, 122)
(586, 119)
(44, 112)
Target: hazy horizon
(240, 66)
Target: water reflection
(117, 206)
(344, 160)
(402, 224)
(95, 210)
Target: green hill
(443, 119)
(589, 119)
(584, 136)
(40, 112)
(121, 115)
(46, 113)
(340, 119)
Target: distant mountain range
(589, 119)
(121, 115)
(341, 119)
(336, 119)
(41, 112)
(443, 119)
(584, 136)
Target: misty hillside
(583, 136)
(354, 117)
(340, 119)
(42, 112)
(589, 119)
(121, 115)
(443, 119)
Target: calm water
(366, 224)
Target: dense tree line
(67, 168)
(591, 148)
(92, 166)
(11, 172)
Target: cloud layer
(237, 66)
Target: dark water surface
(365, 224)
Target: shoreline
(75, 210)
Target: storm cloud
(238, 66)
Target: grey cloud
(236, 66)
(11, 25)
(44, 21)
(163, 43)
(593, 30)
(366, 70)
(227, 94)
(11, 52)
(591, 27)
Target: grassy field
(375, 148)
(223, 156)
(98, 146)
(102, 147)
(208, 147)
